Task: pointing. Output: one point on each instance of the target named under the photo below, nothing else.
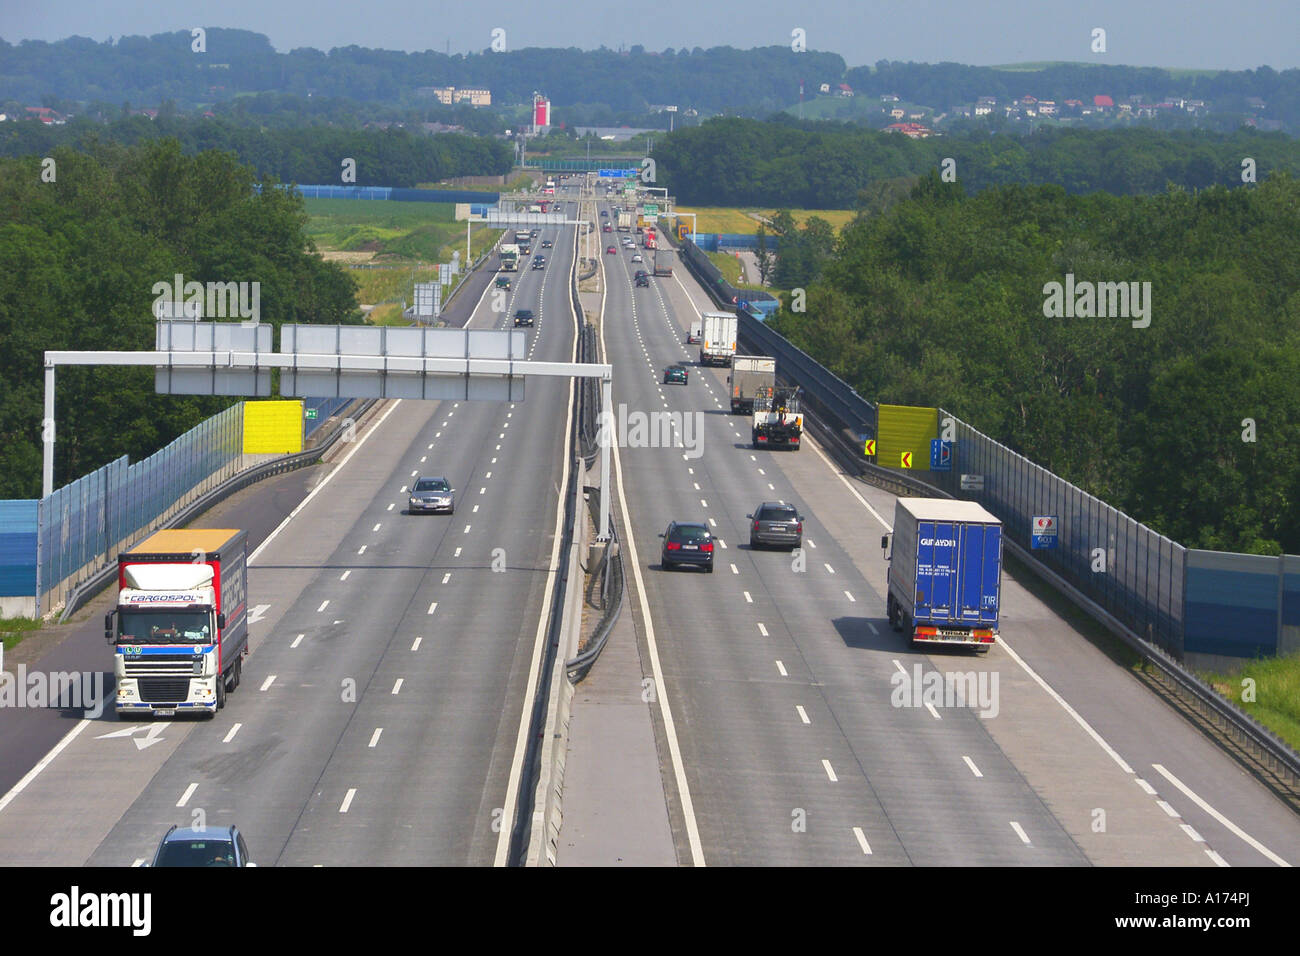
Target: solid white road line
(268, 682)
(971, 763)
(826, 765)
(803, 714)
(1236, 830)
(297, 640)
(432, 607)
(933, 713)
(539, 640)
(45, 761)
(415, 645)
(1020, 832)
(781, 667)
(231, 735)
(397, 686)
(347, 800)
(315, 491)
(185, 797)
(374, 738)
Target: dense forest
(742, 162)
(602, 86)
(148, 70)
(311, 154)
(939, 300)
(80, 256)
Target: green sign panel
(651, 209)
(311, 413)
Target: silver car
(777, 524)
(432, 494)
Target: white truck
(625, 220)
(749, 373)
(180, 629)
(718, 338)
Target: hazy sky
(1171, 33)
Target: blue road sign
(940, 455)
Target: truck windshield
(164, 626)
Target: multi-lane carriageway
(380, 715)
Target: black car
(641, 274)
(546, 243)
(643, 282)
(675, 373)
(603, 213)
(687, 542)
(776, 523)
(523, 317)
(533, 233)
(202, 846)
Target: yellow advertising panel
(903, 435)
(272, 428)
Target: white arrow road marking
(258, 612)
(149, 739)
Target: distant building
(845, 90)
(46, 115)
(824, 88)
(914, 130)
(898, 112)
(889, 98)
(1046, 107)
(449, 95)
(1103, 102)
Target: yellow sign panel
(272, 428)
(869, 448)
(903, 434)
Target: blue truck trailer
(945, 572)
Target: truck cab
(180, 628)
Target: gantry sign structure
(337, 361)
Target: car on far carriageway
(202, 847)
(687, 542)
(675, 373)
(776, 524)
(432, 494)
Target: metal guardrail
(236, 483)
(613, 588)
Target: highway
(780, 676)
(379, 718)
(379, 714)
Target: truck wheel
(221, 696)
(236, 673)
